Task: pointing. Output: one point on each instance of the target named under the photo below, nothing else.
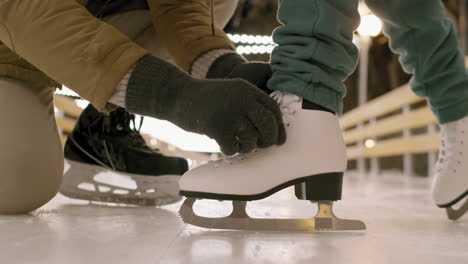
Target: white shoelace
(285, 101)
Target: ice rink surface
(403, 226)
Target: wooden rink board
(385, 104)
(395, 147)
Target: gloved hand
(233, 112)
(232, 65)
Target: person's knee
(31, 158)
(223, 11)
(28, 186)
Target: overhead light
(369, 143)
(370, 26)
(251, 39)
(255, 49)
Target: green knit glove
(233, 112)
(232, 65)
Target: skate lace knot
(229, 160)
(288, 104)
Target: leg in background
(426, 40)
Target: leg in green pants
(427, 44)
(315, 53)
(418, 30)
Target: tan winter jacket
(55, 42)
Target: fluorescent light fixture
(251, 39)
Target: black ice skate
(313, 159)
(105, 144)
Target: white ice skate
(313, 159)
(451, 178)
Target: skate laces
(135, 133)
(126, 123)
(229, 160)
(288, 104)
(451, 146)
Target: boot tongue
(91, 119)
(120, 121)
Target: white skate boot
(451, 178)
(313, 159)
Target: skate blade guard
(149, 191)
(324, 220)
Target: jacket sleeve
(187, 29)
(62, 39)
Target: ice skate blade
(165, 188)
(455, 214)
(325, 220)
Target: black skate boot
(105, 145)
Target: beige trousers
(31, 157)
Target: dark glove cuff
(224, 65)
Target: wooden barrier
(71, 112)
(67, 105)
(357, 128)
(380, 106)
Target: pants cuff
(314, 93)
(452, 113)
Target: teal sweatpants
(315, 53)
